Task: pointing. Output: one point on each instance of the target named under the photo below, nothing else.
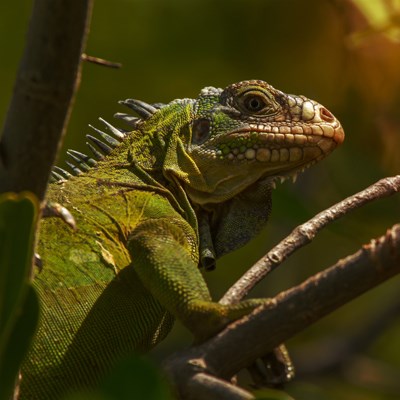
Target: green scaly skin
(190, 183)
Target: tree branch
(100, 61)
(305, 233)
(204, 386)
(289, 313)
(46, 82)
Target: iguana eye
(200, 130)
(254, 102)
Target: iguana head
(247, 132)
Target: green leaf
(19, 342)
(19, 307)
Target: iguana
(190, 181)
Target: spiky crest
(100, 148)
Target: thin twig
(305, 233)
(101, 61)
(204, 386)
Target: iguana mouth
(298, 144)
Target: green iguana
(190, 181)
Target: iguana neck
(134, 163)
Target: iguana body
(191, 182)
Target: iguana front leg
(165, 259)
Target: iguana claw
(274, 369)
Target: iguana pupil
(254, 103)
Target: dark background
(343, 54)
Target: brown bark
(46, 83)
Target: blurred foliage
(132, 375)
(272, 394)
(19, 308)
(342, 53)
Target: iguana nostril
(326, 115)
